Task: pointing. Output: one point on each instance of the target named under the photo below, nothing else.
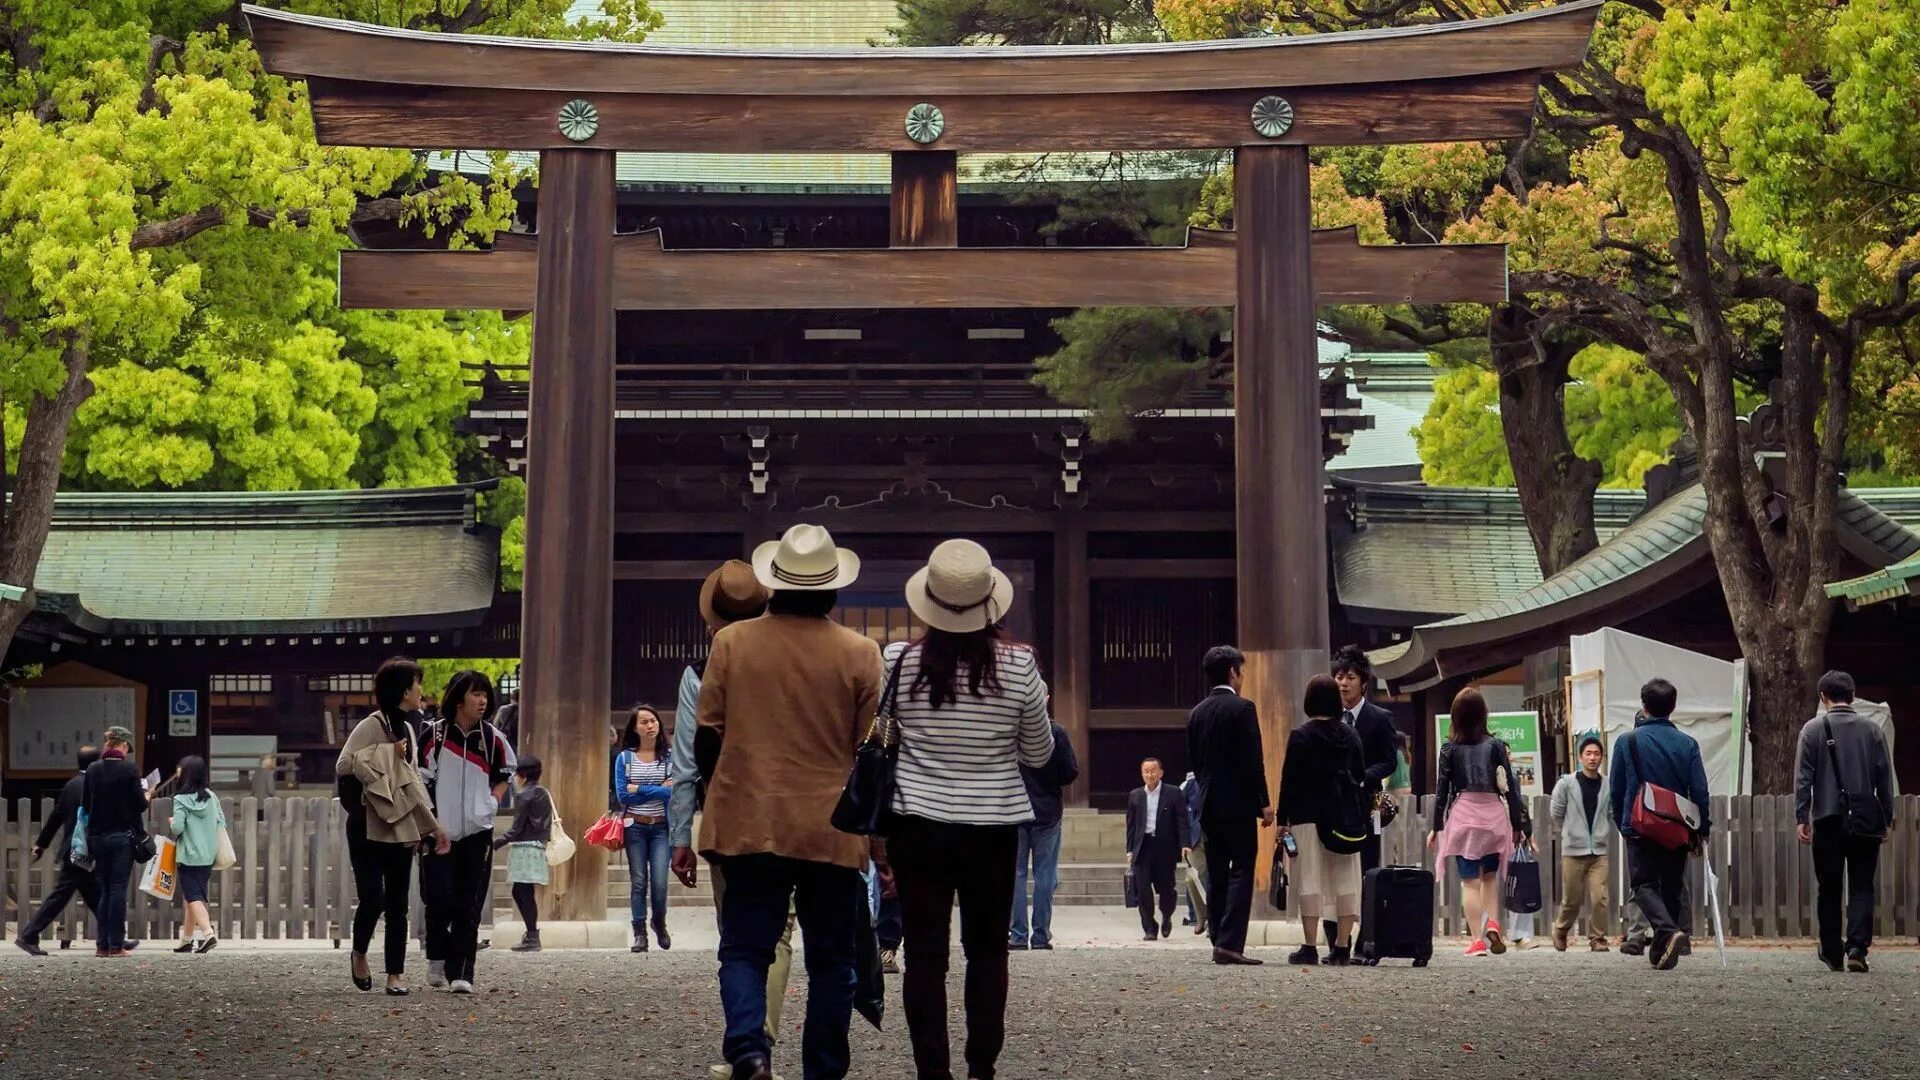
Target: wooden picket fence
(293, 881)
(1765, 874)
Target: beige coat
(399, 811)
(791, 697)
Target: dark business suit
(1154, 855)
(57, 834)
(1223, 749)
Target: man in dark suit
(1156, 842)
(1353, 673)
(1223, 747)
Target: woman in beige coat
(388, 815)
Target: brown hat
(732, 593)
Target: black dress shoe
(1224, 956)
(1857, 961)
(1832, 962)
(753, 1068)
(1166, 929)
(1304, 956)
(1045, 946)
(363, 983)
(31, 948)
(1151, 936)
(1018, 946)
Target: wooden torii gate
(1267, 99)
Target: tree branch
(155, 234)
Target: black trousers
(935, 862)
(456, 887)
(1153, 872)
(1838, 854)
(383, 880)
(1231, 850)
(1658, 878)
(113, 868)
(886, 929)
(72, 882)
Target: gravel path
(1080, 1014)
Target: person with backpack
(1661, 757)
(1843, 800)
(57, 833)
(1478, 817)
(1324, 785)
(526, 843)
(196, 823)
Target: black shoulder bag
(868, 797)
(1860, 822)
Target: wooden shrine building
(578, 104)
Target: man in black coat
(57, 831)
(1223, 749)
(1353, 673)
(1156, 842)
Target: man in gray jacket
(1579, 813)
(1843, 799)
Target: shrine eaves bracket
(1267, 99)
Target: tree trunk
(1783, 696)
(1556, 485)
(30, 515)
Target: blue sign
(183, 709)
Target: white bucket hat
(804, 560)
(959, 590)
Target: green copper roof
(280, 562)
(1900, 579)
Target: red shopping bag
(608, 833)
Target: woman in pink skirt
(1478, 817)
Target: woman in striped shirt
(972, 709)
(643, 782)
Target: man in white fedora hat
(785, 700)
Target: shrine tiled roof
(267, 562)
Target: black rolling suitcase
(1396, 915)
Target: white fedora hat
(804, 560)
(959, 590)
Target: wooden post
(1072, 646)
(566, 623)
(924, 210)
(1279, 508)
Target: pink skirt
(1477, 827)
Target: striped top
(961, 764)
(648, 774)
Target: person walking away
(1478, 816)
(467, 766)
(1196, 858)
(389, 813)
(1843, 802)
(1656, 752)
(1223, 746)
(526, 843)
(196, 823)
(1400, 783)
(1325, 763)
(1579, 816)
(116, 805)
(1353, 674)
(730, 594)
(784, 702)
(644, 775)
(1156, 844)
(57, 832)
(1039, 845)
(972, 709)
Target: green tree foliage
(438, 672)
(168, 231)
(1619, 413)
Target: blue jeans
(827, 899)
(647, 856)
(1042, 842)
(113, 869)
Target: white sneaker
(436, 973)
(462, 986)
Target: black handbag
(1864, 817)
(143, 847)
(867, 799)
(1523, 892)
(870, 986)
(1277, 885)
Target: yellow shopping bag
(161, 873)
